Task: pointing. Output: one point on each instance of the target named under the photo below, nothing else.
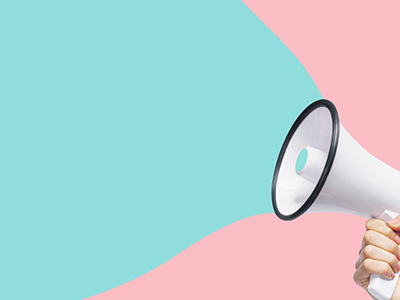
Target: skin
(379, 253)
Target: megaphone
(338, 176)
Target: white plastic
(313, 134)
(358, 183)
(380, 287)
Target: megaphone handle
(380, 287)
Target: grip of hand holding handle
(380, 287)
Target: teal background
(301, 160)
(131, 130)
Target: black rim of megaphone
(328, 165)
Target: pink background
(260, 257)
(351, 50)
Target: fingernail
(393, 275)
(394, 221)
(397, 239)
(398, 268)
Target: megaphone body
(339, 175)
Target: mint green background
(131, 130)
(301, 160)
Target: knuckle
(393, 248)
(355, 277)
(368, 251)
(366, 264)
(393, 260)
(371, 224)
(368, 236)
(388, 269)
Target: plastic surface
(358, 183)
(314, 135)
(379, 286)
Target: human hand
(379, 253)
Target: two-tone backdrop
(139, 138)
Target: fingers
(375, 253)
(381, 241)
(370, 266)
(380, 251)
(381, 227)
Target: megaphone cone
(338, 176)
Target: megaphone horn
(338, 176)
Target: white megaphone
(338, 176)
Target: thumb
(394, 223)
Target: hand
(379, 253)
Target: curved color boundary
(260, 257)
(354, 62)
